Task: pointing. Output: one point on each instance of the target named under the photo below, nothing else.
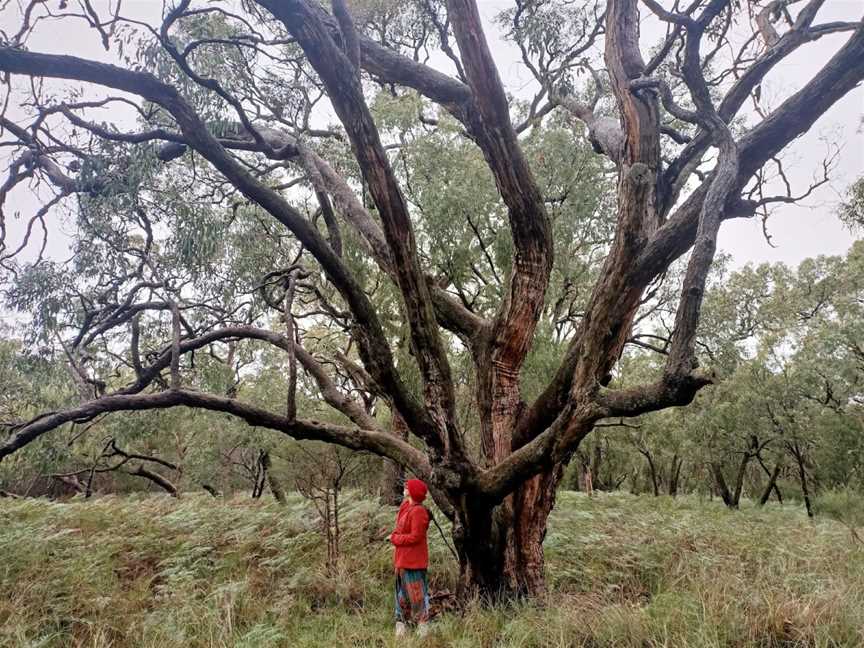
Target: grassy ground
(623, 571)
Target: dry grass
(623, 571)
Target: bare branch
(380, 443)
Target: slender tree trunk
(751, 452)
(675, 475)
(772, 484)
(260, 477)
(88, 490)
(722, 488)
(652, 471)
(805, 491)
(772, 477)
(634, 482)
(802, 475)
(272, 480)
(584, 478)
(739, 479)
(596, 462)
(276, 488)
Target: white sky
(798, 231)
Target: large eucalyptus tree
(229, 100)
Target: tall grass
(623, 571)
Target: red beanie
(416, 489)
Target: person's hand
(384, 533)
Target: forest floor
(154, 572)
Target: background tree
(789, 403)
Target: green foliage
(843, 505)
(852, 209)
(786, 345)
(548, 30)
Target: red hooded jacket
(409, 538)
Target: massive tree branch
(346, 95)
(281, 145)
(499, 362)
(380, 443)
(795, 116)
(373, 344)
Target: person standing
(411, 560)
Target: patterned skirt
(412, 596)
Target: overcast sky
(798, 231)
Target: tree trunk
(772, 485)
(272, 481)
(772, 477)
(276, 488)
(722, 488)
(501, 550)
(501, 546)
(675, 475)
(802, 475)
(584, 478)
(739, 479)
(655, 485)
(88, 490)
(596, 463)
(533, 502)
(260, 475)
(393, 477)
(751, 452)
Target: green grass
(625, 571)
